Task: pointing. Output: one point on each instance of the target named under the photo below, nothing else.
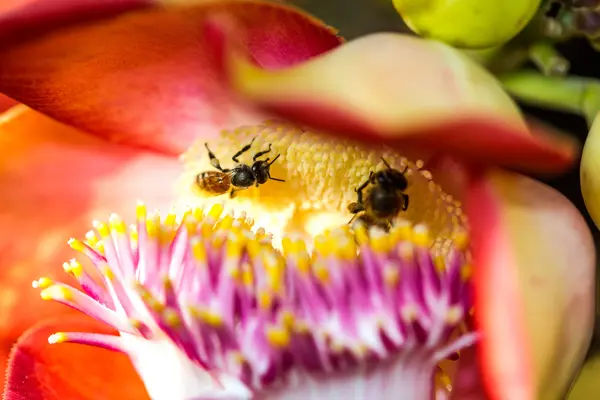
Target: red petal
(401, 91)
(41, 371)
(146, 77)
(6, 103)
(22, 19)
(54, 181)
(534, 281)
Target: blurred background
(358, 17)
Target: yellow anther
(135, 323)
(198, 214)
(234, 246)
(461, 239)
(76, 244)
(101, 228)
(278, 337)
(238, 357)
(58, 337)
(288, 320)
(420, 236)
(140, 211)
(466, 271)
(117, 224)
(107, 272)
(401, 231)
(380, 243)
(170, 219)
(265, 301)
(286, 244)
(91, 238)
(42, 283)
(391, 276)
(409, 313)
(100, 247)
(454, 315)
(225, 223)
(247, 277)
(347, 250)
(199, 251)
(133, 234)
(171, 318)
(152, 228)
(191, 225)
(406, 251)
(56, 292)
(215, 211)
(209, 318)
(321, 272)
(323, 245)
(74, 267)
(254, 248)
(439, 263)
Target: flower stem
(572, 94)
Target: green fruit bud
(469, 24)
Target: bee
(241, 177)
(384, 199)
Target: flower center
(209, 304)
(321, 177)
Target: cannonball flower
(483, 288)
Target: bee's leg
(262, 153)
(232, 193)
(214, 161)
(359, 190)
(242, 151)
(405, 203)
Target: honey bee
(384, 199)
(241, 177)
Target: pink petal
(535, 267)
(146, 77)
(400, 90)
(41, 371)
(54, 181)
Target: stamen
(235, 306)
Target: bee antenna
(386, 163)
(405, 169)
(275, 159)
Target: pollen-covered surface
(321, 175)
(231, 304)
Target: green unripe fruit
(467, 24)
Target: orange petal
(54, 181)
(401, 90)
(535, 267)
(146, 77)
(41, 371)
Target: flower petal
(6, 103)
(54, 181)
(587, 385)
(401, 90)
(535, 267)
(40, 371)
(21, 19)
(146, 77)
